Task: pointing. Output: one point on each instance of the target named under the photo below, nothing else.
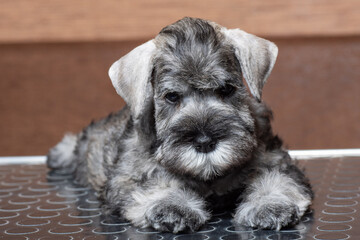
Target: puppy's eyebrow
(217, 83)
(167, 86)
(235, 81)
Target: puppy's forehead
(194, 53)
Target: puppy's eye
(226, 91)
(172, 97)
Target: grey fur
(167, 164)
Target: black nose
(204, 143)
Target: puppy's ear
(131, 74)
(256, 55)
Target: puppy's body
(191, 138)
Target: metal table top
(37, 203)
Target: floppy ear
(256, 55)
(131, 74)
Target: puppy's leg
(277, 196)
(161, 203)
(62, 155)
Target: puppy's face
(203, 121)
(191, 75)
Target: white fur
(210, 164)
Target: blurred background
(54, 58)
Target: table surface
(37, 203)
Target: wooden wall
(54, 57)
(93, 20)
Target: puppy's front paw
(175, 218)
(267, 216)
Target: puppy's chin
(185, 160)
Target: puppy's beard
(207, 164)
(184, 159)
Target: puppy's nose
(204, 143)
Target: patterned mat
(36, 203)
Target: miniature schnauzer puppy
(191, 138)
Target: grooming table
(38, 203)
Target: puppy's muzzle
(203, 143)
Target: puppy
(191, 138)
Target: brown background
(54, 57)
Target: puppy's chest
(229, 183)
(224, 188)
(225, 194)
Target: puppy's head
(191, 75)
